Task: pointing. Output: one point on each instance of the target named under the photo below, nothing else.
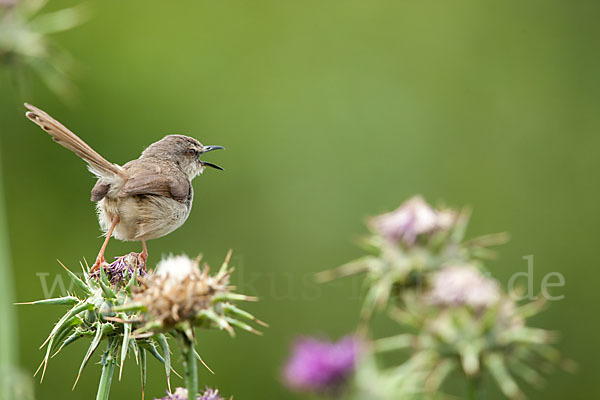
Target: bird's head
(183, 150)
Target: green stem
(190, 365)
(473, 388)
(108, 368)
(8, 333)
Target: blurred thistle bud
(466, 323)
(321, 366)
(463, 285)
(414, 217)
(406, 246)
(182, 394)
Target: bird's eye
(192, 152)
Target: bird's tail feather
(98, 164)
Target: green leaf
(131, 281)
(393, 343)
(100, 329)
(222, 297)
(225, 266)
(499, 372)
(60, 301)
(124, 346)
(60, 20)
(71, 339)
(82, 306)
(528, 374)
(129, 307)
(143, 370)
(136, 350)
(231, 309)
(242, 325)
(105, 285)
(164, 346)
(80, 284)
(219, 321)
(439, 374)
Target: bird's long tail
(97, 164)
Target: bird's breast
(143, 216)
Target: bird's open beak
(208, 164)
(206, 149)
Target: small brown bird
(144, 199)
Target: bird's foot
(98, 263)
(142, 258)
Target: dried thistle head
(180, 295)
(179, 290)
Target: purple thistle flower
(182, 394)
(122, 268)
(459, 285)
(321, 366)
(414, 217)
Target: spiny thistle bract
(406, 245)
(134, 311)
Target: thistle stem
(473, 388)
(108, 368)
(190, 365)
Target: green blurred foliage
(330, 111)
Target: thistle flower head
(181, 295)
(120, 271)
(182, 394)
(465, 322)
(179, 290)
(321, 366)
(460, 285)
(414, 217)
(176, 268)
(407, 245)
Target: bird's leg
(100, 259)
(144, 253)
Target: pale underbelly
(142, 217)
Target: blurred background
(331, 112)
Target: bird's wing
(175, 186)
(100, 190)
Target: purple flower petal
(317, 365)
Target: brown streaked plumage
(144, 199)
